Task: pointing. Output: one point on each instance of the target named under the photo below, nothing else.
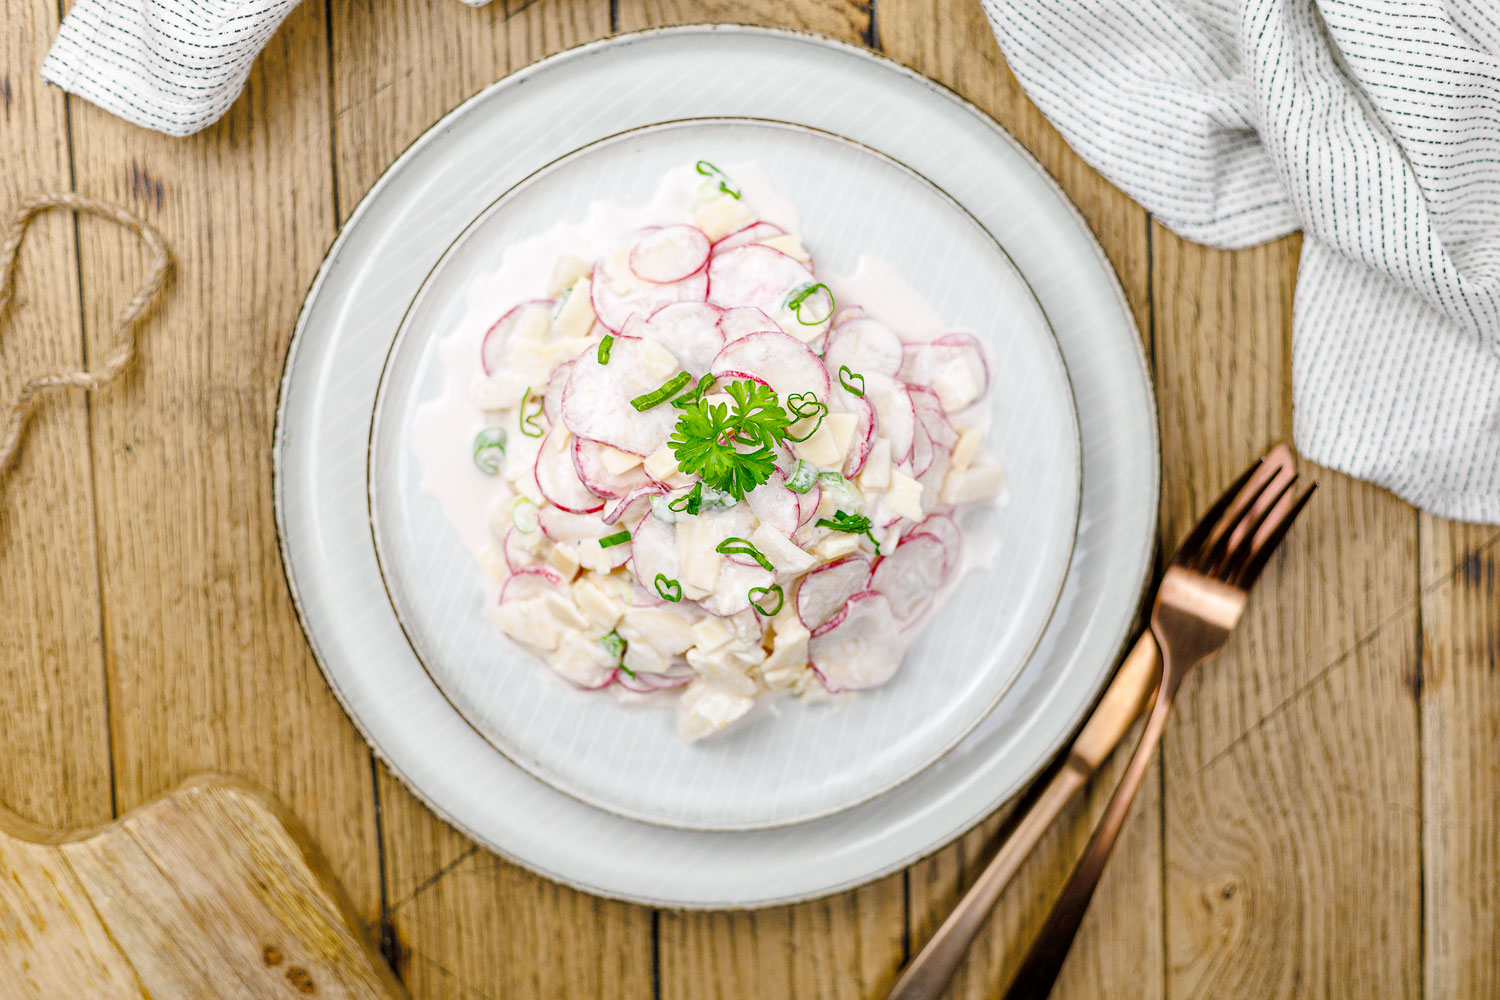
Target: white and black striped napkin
(1372, 124)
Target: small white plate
(383, 255)
(789, 762)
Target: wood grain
(54, 740)
(207, 891)
(208, 670)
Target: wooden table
(1324, 820)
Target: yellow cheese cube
(876, 475)
(837, 545)
(576, 317)
(722, 215)
(661, 464)
(821, 449)
(969, 441)
(617, 462)
(976, 484)
(789, 244)
(597, 605)
(905, 496)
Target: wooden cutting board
(210, 891)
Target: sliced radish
(616, 300)
(753, 233)
(861, 649)
(826, 589)
(945, 530)
(494, 350)
(669, 253)
(953, 366)
(755, 276)
(597, 479)
(654, 551)
(932, 477)
(732, 591)
(646, 683)
(893, 409)
(783, 362)
(743, 320)
(557, 477)
(529, 582)
(922, 451)
(596, 402)
(736, 522)
(865, 345)
(578, 531)
(618, 508)
(690, 330)
(518, 551)
(552, 400)
(775, 505)
(910, 575)
(843, 401)
(930, 415)
(807, 504)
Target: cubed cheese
(593, 556)
(842, 426)
(531, 362)
(598, 606)
(492, 561)
(501, 391)
(643, 659)
(527, 622)
(706, 708)
(723, 669)
(566, 272)
(781, 550)
(722, 215)
(563, 558)
(837, 545)
(576, 316)
(665, 631)
(904, 496)
(560, 608)
(969, 441)
(710, 634)
(532, 324)
(976, 484)
(661, 464)
(617, 462)
(697, 561)
(617, 272)
(580, 659)
(789, 244)
(788, 646)
(828, 505)
(876, 475)
(821, 448)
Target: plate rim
(1117, 636)
(947, 745)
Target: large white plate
(787, 763)
(380, 260)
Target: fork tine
(1265, 542)
(1216, 549)
(1193, 543)
(1245, 532)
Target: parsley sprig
(729, 445)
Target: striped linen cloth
(1374, 125)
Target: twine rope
(123, 355)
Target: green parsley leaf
(730, 450)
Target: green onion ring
(800, 295)
(736, 546)
(847, 376)
(604, 346)
(669, 589)
(618, 538)
(529, 426)
(707, 169)
(756, 594)
(658, 396)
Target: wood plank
(1292, 834)
(208, 669)
(848, 20)
(1118, 951)
(54, 744)
(461, 922)
(1460, 698)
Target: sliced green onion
(844, 493)
(613, 644)
(758, 597)
(710, 171)
(489, 450)
(694, 396)
(804, 475)
(715, 501)
(523, 514)
(804, 405)
(528, 423)
(618, 538)
(736, 546)
(798, 299)
(669, 589)
(852, 524)
(661, 509)
(604, 346)
(658, 396)
(690, 502)
(848, 376)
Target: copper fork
(1197, 607)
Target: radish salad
(705, 474)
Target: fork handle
(1045, 959)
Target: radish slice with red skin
(613, 676)
(578, 530)
(826, 588)
(841, 400)
(932, 477)
(557, 477)
(617, 509)
(529, 582)
(895, 416)
(782, 361)
(930, 415)
(614, 308)
(517, 557)
(755, 276)
(732, 591)
(596, 401)
(861, 648)
(588, 461)
(744, 320)
(953, 366)
(654, 551)
(669, 253)
(922, 451)
(910, 575)
(646, 683)
(690, 330)
(553, 393)
(775, 505)
(494, 350)
(946, 530)
(753, 233)
(865, 345)
(807, 504)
